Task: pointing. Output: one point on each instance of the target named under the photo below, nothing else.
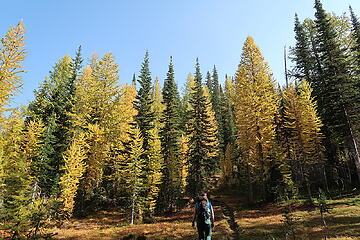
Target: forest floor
(233, 221)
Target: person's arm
(212, 214)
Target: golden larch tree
(256, 105)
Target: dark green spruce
(145, 116)
(170, 139)
(335, 91)
(52, 105)
(200, 144)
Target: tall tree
(256, 106)
(97, 96)
(157, 106)
(135, 179)
(301, 53)
(53, 105)
(356, 31)
(202, 130)
(170, 137)
(305, 138)
(145, 117)
(335, 90)
(74, 168)
(209, 83)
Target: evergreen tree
(135, 179)
(170, 136)
(215, 102)
(335, 91)
(209, 83)
(256, 106)
(356, 31)
(226, 120)
(53, 105)
(157, 106)
(301, 53)
(145, 116)
(203, 142)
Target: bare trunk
(356, 151)
(132, 209)
(250, 184)
(325, 180)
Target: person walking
(204, 217)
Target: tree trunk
(325, 179)
(250, 185)
(352, 136)
(132, 209)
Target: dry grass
(266, 222)
(108, 225)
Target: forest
(88, 143)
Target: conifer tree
(135, 179)
(157, 106)
(170, 137)
(209, 83)
(185, 105)
(145, 116)
(227, 163)
(356, 31)
(256, 106)
(97, 97)
(12, 50)
(301, 53)
(17, 200)
(53, 105)
(202, 130)
(226, 120)
(335, 91)
(215, 102)
(303, 125)
(74, 168)
(125, 113)
(183, 157)
(154, 173)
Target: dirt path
(229, 216)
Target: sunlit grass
(114, 225)
(266, 222)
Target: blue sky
(212, 30)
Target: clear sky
(213, 30)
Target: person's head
(204, 196)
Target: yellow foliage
(256, 105)
(302, 119)
(227, 163)
(154, 174)
(184, 148)
(212, 139)
(12, 53)
(32, 140)
(96, 156)
(74, 168)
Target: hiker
(204, 217)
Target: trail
(227, 211)
(230, 218)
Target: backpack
(203, 212)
